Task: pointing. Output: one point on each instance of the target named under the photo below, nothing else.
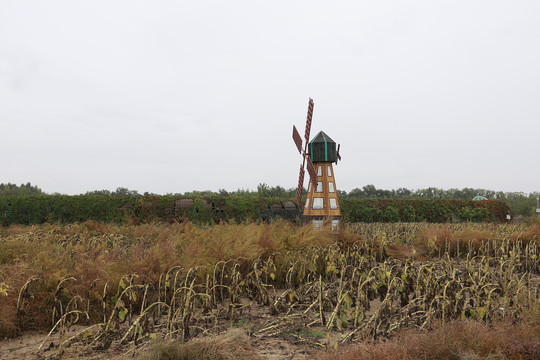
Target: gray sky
(173, 96)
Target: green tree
(23, 189)
(98, 192)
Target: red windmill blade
(308, 121)
(298, 141)
(311, 171)
(300, 186)
(338, 155)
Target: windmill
(321, 201)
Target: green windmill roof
(322, 148)
(321, 137)
(479, 198)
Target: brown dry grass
(438, 239)
(460, 239)
(405, 252)
(234, 344)
(456, 340)
(531, 233)
(95, 253)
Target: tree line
(23, 189)
(520, 203)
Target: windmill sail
(298, 141)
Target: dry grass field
(270, 291)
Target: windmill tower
(322, 202)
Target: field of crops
(102, 288)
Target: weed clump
(234, 344)
(456, 340)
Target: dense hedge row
(39, 209)
(436, 211)
(29, 210)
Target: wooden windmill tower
(322, 202)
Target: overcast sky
(174, 96)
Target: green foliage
(120, 191)
(472, 214)
(30, 210)
(408, 214)
(23, 189)
(242, 208)
(519, 203)
(409, 210)
(199, 213)
(391, 214)
(264, 190)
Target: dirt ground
(26, 348)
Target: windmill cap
(322, 137)
(322, 148)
